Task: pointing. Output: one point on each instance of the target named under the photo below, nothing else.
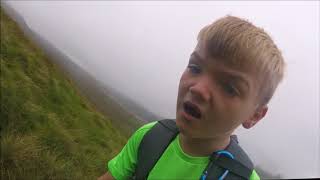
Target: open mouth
(192, 110)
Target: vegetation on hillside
(48, 130)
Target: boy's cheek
(183, 88)
(223, 123)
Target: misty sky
(141, 49)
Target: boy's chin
(185, 129)
(181, 126)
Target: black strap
(152, 146)
(234, 166)
(221, 163)
(239, 168)
(239, 154)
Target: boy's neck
(202, 147)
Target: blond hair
(240, 44)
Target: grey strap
(239, 168)
(222, 163)
(152, 146)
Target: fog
(141, 49)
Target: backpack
(158, 138)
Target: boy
(231, 76)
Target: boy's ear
(257, 116)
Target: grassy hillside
(48, 131)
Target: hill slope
(125, 114)
(48, 130)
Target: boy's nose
(200, 90)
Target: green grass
(48, 130)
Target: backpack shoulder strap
(239, 168)
(152, 146)
(239, 154)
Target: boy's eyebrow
(238, 78)
(233, 75)
(195, 54)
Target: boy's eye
(230, 89)
(195, 69)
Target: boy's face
(213, 99)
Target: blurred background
(136, 51)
